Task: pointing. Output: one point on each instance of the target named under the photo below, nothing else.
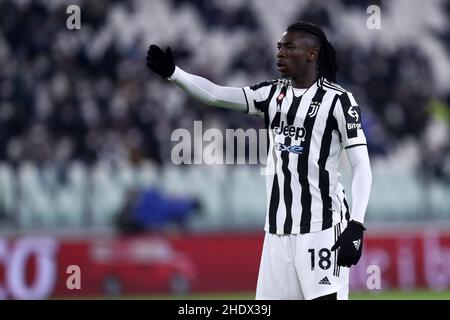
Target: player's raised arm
(200, 88)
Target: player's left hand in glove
(160, 62)
(350, 244)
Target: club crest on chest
(313, 108)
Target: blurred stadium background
(84, 127)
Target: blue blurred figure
(151, 210)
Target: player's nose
(280, 53)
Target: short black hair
(327, 65)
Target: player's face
(296, 53)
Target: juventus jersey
(306, 135)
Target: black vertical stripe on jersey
(275, 193)
(273, 205)
(335, 251)
(334, 263)
(347, 210)
(346, 105)
(246, 100)
(287, 173)
(338, 235)
(277, 118)
(263, 105)
(302, 166)
(324, 176)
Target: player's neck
(305, 80)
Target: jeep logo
(290, 131)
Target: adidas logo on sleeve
(325, 281)
(357, 243)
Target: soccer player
(311, 237)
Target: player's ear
(313, 54)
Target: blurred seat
(35, 198)
(107, 195)
(8, 194)
(395, 195)
(71, 197)
(247, 194)
(147, 174)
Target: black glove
(350, 244)
(160, 62)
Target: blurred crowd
(86, 94)
(64, 97)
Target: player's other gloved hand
(350, 244)
(160, 62)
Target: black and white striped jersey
(307, 131)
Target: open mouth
(281, 66)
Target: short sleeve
(348, 116)
(258, 97)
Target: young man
(310, 233)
